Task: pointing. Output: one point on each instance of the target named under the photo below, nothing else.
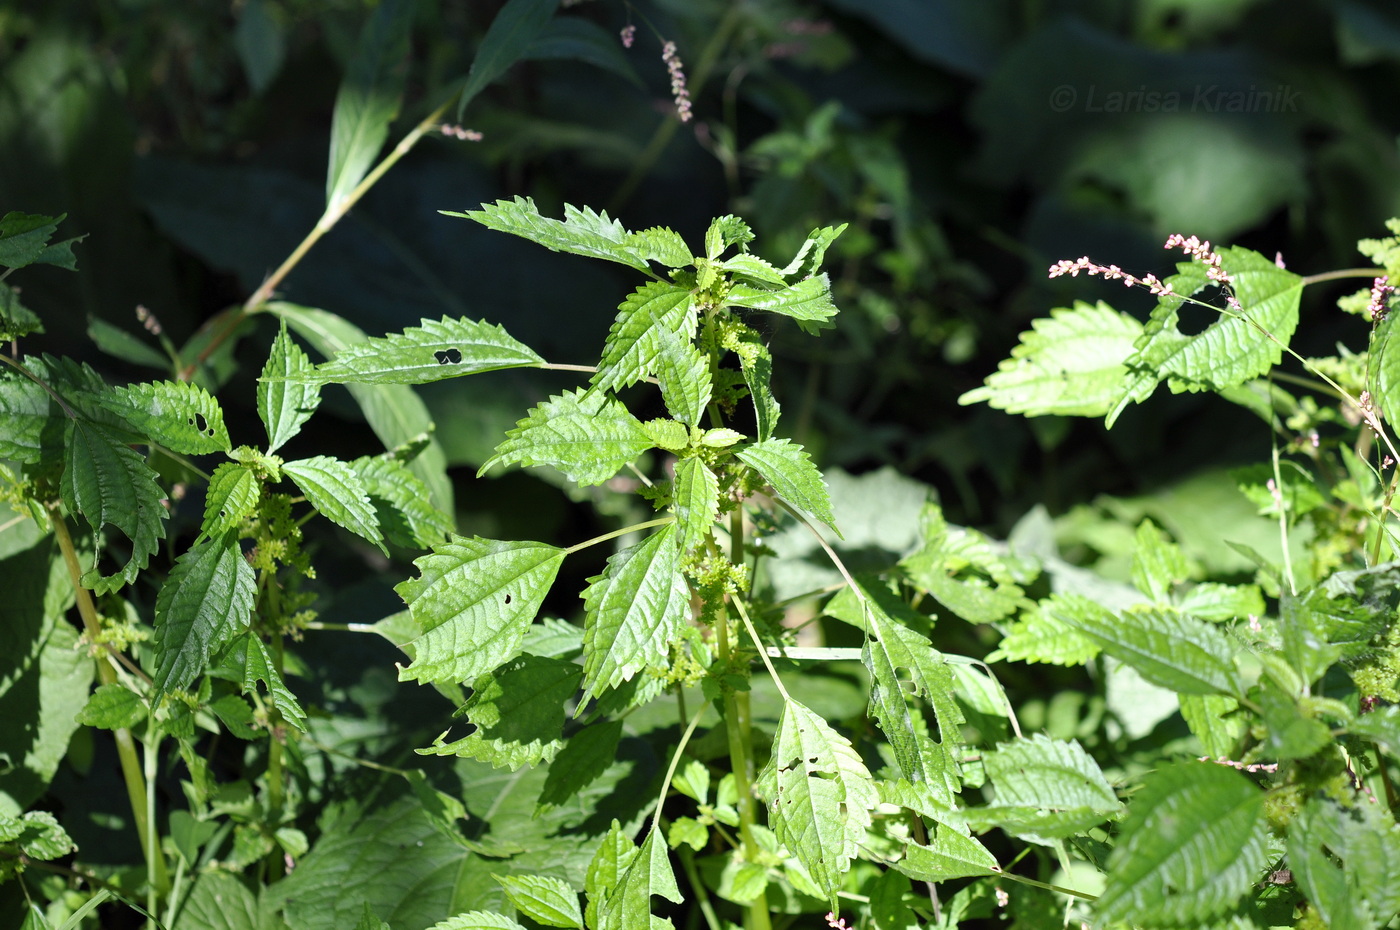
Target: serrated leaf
(113, 707)
(32, 424)
(757, 365)
(812, 253)
(252, 654)
(725, 231)
(178, 415)
(949, 855)
(683, 372)
(748, 265)
(1291, 730)
(235, 714)
(645, 872)
(611, 857)
(1384, 382)
(1193, 842)
(963, 570)
(1213, 721)
(585, 434)
(1039, 635)
(402, 504)
(518, 712)
(1347, 861)
(16, 320)
(583, 231)
(1049, 776)
(431, 351)
(695, 502)
(507, 39)
(584, 758)
(25, 236)
(543, 898)
(819, 795)
(629, 354)
(633, 611)
(808, 301)
(206, 602)
(1070, 363)
(477, 920)
(663, 246)
(369, 920)
(1158, 563)
(1167, 648)
(335, 490)
(110, 484)
(368, 99)
(285, 399)
(37, 834)
(472, 601)
(670, 435)
(1211, 601)
(233, 494)
(786, 466)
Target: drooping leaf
(113, 707)
(786, 466)
(1070, 363)
(585, 434)
(543, 898)
(179, 415)
(808, 301)
(233, 494)
(584, 758)
(472, 601)
(633, 611)
(757, 365)
(431, 351)
(949, 855)
(119, 343)
(251, 653)
(335, 490)
(573, 38)
(285, 398)
(1167, 648)
(110, 484)
(368, 99)
(819, 795)
(1192, 844)
(695, 501)
(403, 507)
(634, 338)
(518, 712)
(25, 236)
(203, 605)
(583, 231)
(507, 40)
(1046, 788)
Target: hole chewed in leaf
(448, 356)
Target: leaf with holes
(285, 399)
(335, 490)
(178, 415)
(789, 470)
(203, 605)
(472, 602)
(629, 354)
(633, 611)
(585, 434)
(819, 795)
(431, 351)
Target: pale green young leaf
(473, 600)
(949, 855)
(431, 351)
(819, 795)
(1194, 841)
(477, 920)
(812, 253)
(808, 301)
(1040, 635)
(233, 494)
(962, 569)
(584, 758)
(1219, 602)
(518, 713)
(750, 266)
(1167, 648)
(512, 31)
(671, 435)
(1213, 721)
(178, 415)
(1158, 563)
(633, 611)
(786, 466)
(285, 399)
(1070, 363)
(695, 502)
(583, 231)
(725, 231)
(368, 99)
(110, 484)
(683, 372)
(402, 504)
(661, 245)
(251, 659)
(757, 365)
(585, 434)
(646, 872)
(206, 602)
(37, 834)
(1347, 861)
(335, 490)
(113, 707)
(629, 354)
(543, 898)
(614, 852)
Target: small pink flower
(629, 33)
(1381, 290)
(678, 89)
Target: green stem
(616, 533)
(1343, 273)
(702, 897)
(126, 744)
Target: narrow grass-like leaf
(807, 301)
(518, 712)
(178, 415)
(695, 501)
(543, 898)
(1070, 363)
(1194, 841)
(203, 605)
(285, 399)
(509, 36)
(757, 365)
(1167, 648)
(789, 470)
(949, 855)
(110, 484)
(369, 98)
(402, 504)
(233, 494)
(583, 231)
(630, 351)
(633, 611)
(335, 490)
(585, 434)
(819, 795)
(472, 601)
(432, 351)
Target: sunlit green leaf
(808, 301)
(583, 231)
(1158, 563)
(643, 872)
(663, 246)
(203, 605)
(335, 490)
(786, 466)
(402, 504)
(1039, 635)
(179, 415)
(963, 570)
(285, 400)
(634, 339)
(543, 898)
(1167, 648)
(949, 855)
(585, 434)
(113, 707)
(757, 365)
(695, 500)
(233, 493)
(431, 351)
(683, 372)
(1347, 861)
